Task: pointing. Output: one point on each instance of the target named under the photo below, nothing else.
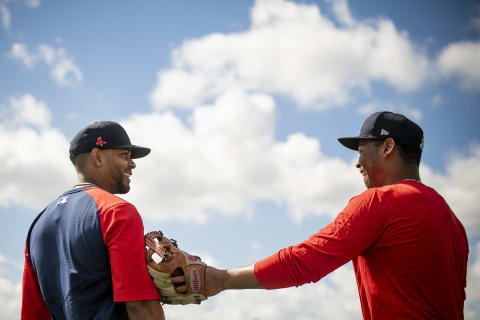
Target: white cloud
(472, 305)
(335, 295)
(19, 52)
(413, 113)
(342, 12)
(35, 156)
(26, 110)
(294, 50)
(475, 22)
(460, 61)
(5, 12)
(32, 3)
(5, 15)
(65, 71)
(10, 294)
(228, 160)
(63, 68)
(460, 187)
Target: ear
(388, 146)
(96, 157)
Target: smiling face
(370, 163)
(117, 171)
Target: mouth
(127, 174)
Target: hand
(213, 282)
(179, 283)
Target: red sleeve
(353, 230)
(122, 229)
(33, 306)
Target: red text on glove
(194, 281)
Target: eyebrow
(122, 151)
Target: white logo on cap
(384, 132)
(421, 144)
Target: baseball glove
(165, 260)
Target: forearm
(241, 278)
(236, 278)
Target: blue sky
(241, 103)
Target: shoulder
(106, 201)
(393, 195)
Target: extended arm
(236, 278)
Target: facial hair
(121, 187)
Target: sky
(242, 103)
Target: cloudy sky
(241, 103)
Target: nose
(132, 164)
(358, 165)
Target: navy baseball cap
(383, 125)
(104, 135)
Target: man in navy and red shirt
(409, 250)
(85, 253)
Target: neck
(84, 179)
(408, 173)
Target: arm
(33, 306)
(237, 278)
(145, 310)
(217, 280)
(347, 236)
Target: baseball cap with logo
(104, 135)
(383, 125)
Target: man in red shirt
(409, 250)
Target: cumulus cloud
(460, 186)
(472, 305)
(32, 3)
(293, 50)
(63, 68)
(228, 159)
(460, 61)
(32, 151)
(5, 15)
(10, 294)
(335, 295)
(371, 107)
(19, 52)
(5, 12)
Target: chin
(122, 189)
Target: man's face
(118, 169)
(369, 163)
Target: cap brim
(137, 152)
(352, 142)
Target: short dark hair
(409, 154)
(80, 161)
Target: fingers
(176, 280)
(181, 289)
(179, 283)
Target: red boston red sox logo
(101, 142)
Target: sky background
(241, 103)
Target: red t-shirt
(409, 253)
